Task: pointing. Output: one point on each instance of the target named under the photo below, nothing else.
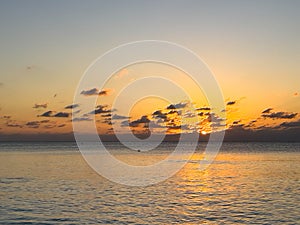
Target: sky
(251, 47)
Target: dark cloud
(61, 125)
(100, 109)
(105, 92)
(236, 122)
(212, 117)
(96, 91)
(144, 120)
(268, 110)
(173, 112)
(47, 114)
(13, 124)
(177, 106)
(73, 106)
(37, 106)
(204, 109)
(53, 114)
(93, 91)
(106, 115)
(33, 124)
(159, 115)
(290, 124)
(1, 84)
(231, 103)
(280, 115)
(62, 114)
(36, 124)
(201, 113)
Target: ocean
(247, 183)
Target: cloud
(33, 124)
(96, 91)
(268, 110)
(62, 114)
(61, 125)
(159, 114)
(204, 109)
(14, 125)
(144, 120)
(49, 126)
(212, 117)
(1, 84)
(43, 105)
(296, 94)
(236, 122)
(101, 109)
(119, 117)
(105, 92)
(53, 114)
(47, 114)
(231, 103)
(280, 115)
(106, 115)
(79, 119)
(73, 106)
(177, 106)
(290, 124)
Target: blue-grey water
(248, 183)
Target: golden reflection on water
(237, 188)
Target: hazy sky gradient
(251, 46)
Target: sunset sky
(252, 48)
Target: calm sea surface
(248, 183)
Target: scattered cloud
(38, 106)
(119, 117)
(47, 114)
(96, 91)
(106, 115)
(177, 106)
(231, 103)
(49, 126)
(62, 114)
(280, 115)
(144, 120)
(204, 109)
(290, 124)
(159, 115)
(72, 106)
(268, 110)
(33, 124)
(54, 114)
(100, 109)
(14, 124)
(79, 119)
